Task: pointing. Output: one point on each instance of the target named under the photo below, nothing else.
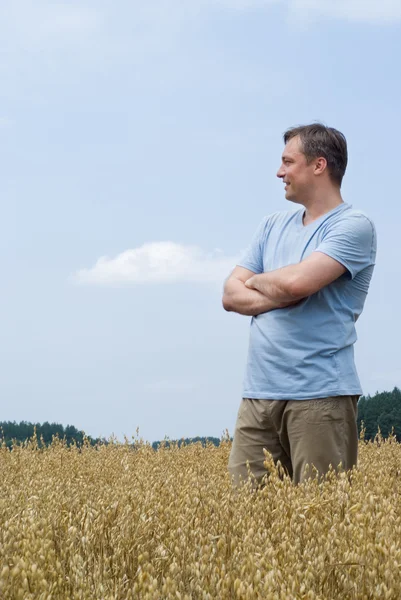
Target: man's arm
(297, 281)
(240, 299)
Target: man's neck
(317, 208)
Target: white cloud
(159, 262)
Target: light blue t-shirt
(307, 351)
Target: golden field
(115, 522)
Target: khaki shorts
(320, 432)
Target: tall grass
(119, 521)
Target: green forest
(381, 411)
(11, 431)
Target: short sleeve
(252, 257)
(352, 242)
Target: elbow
(227, 304)
(297, 289)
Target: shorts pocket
(323, 410)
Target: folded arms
(247, 293)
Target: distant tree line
(10, 430)
(186, 441)
(383, 410)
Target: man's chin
(290, 197)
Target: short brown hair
(319, 140)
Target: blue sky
(139, 148)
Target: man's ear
(320, 165)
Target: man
(304, 280)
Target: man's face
(296, 173)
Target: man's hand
(255, 282)
(275, 285)
(245, 301)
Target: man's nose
(280, 172)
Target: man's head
(314, 157)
